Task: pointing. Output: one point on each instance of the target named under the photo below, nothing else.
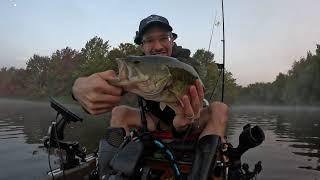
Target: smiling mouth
(160, 53)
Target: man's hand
(218, 119)
(189, 109)
(95, 94)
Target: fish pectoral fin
(178, 98)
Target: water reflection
(22, 126)
(300, 129)
(292, 139)
(291, 148)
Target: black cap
(148, 22)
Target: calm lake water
(291, 149)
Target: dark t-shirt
(166, 115)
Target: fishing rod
(224, 52)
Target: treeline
(54, 75)
(299, 86)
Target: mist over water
(290, 151)
(292, 146)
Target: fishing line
(217, 22)
(212, 30)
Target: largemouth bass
(158, 78)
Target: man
(156, 38)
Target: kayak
(145, 155)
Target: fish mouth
(127, 75)
(123, 74)
(123, 69)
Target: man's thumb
(107, 75)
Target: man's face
(157, 41)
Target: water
(291, 148)
(290, 151)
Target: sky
(263, 38)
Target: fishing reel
(250, 137)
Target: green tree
(212, 77)
(94, 57)
(204, 57)
(301, 85)
(123, 50)
(37, 68)
(64, 63)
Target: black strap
(142, 115)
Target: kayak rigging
(142, 155)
